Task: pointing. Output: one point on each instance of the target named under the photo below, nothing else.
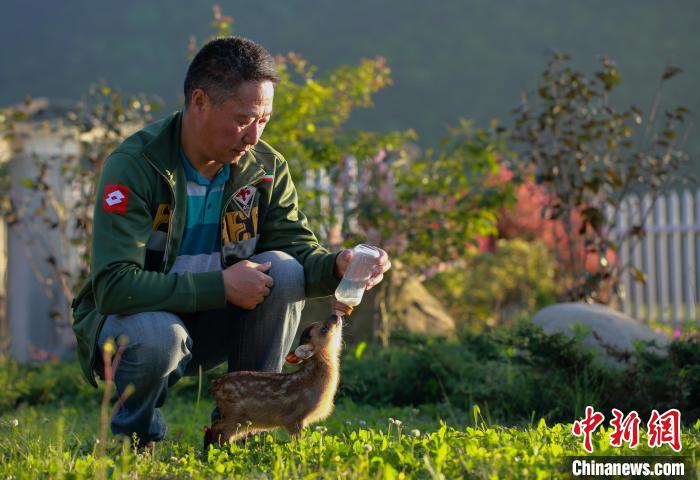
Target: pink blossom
(380, 156)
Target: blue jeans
(163, 346)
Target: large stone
(409, 306)
(607, 330)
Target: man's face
(228, 130)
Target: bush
(37, 383)
(520, 373)
(514, 375)
(494, 287)
(654, 382)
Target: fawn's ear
(293, 359)
(304, 351)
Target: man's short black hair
(223, 64)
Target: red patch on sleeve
(116, 198)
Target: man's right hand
(246, 285)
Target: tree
(588, 157)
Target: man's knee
(287, 273)
(156, 342)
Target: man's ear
(199, 99)
(304, 351)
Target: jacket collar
(164, 153)
(164, 150)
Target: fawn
(251, 402)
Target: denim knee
(157, 343)
(287, 273)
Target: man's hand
(342, 262)
(246, 285)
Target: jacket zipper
(172, 213)
(259, 174)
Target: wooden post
(675, 266)
(662, 258)
(622, 237)
(689, 229)
(648, 264)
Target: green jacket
(138, 224)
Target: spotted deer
(251, 402)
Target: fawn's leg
(229, 430)
(294, 429)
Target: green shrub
(492, 287)
(655, 382)
(514, 374)
(520, 373)
(36, 383)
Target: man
(200, 254)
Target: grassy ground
(60, 440)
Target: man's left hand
(342, 262)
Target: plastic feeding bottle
(352, 286)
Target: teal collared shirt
(200, 250)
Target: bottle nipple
(342, 310)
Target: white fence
(667, 256)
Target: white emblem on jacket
(114, 198)
(244, 198)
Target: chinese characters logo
(664, 428)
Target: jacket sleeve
(119, 281)
(286, 228)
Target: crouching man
(200, 254)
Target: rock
(607, 329)
(410, 307)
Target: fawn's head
(319, 337)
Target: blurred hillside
(449, 59)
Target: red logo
(243, 194)
(665, 428)
(587, 426)
(116, 198)
(626, 429)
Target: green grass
(59, 440)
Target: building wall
(37, 321)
